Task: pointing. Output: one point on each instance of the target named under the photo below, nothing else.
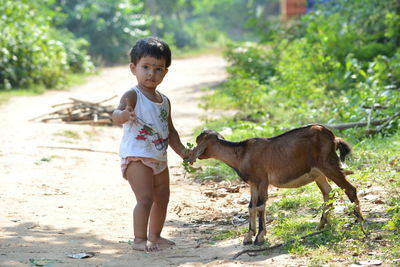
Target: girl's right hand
(129, 114)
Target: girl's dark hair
(153, 47)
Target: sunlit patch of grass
(310, 188)
(216, 171)
(69, 134)
(288, 228)
(340, 236)
(296, 203)
(375, 153)
(229, 234)
(93, 134)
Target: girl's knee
(145, 202)
(164, 200)
(162, 196)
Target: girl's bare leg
(141, 179)
(159, 210)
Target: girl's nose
(150, 72)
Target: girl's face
(149, 72)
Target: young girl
(145, 115)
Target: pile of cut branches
(80, 112)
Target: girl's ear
(133, 68)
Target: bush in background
(339, 63)
(110, 26)
(32, 52)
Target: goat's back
(288, 156)
(311, 139)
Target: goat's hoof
(259, 241)
(247, 242)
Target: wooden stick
(276, 246)
(343, 126)
(44, 115)
(105, 100)
(82, 101)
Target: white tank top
(148, 137)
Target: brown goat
(292, 159)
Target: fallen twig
(277, 245)
(343, 126)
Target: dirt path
(57, 201)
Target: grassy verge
(71, 80)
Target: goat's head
(205, 143)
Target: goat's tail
(344, 148)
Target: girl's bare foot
(139, 244)
(158, 243)
(154, 245)
(162, 241)
(151, 246)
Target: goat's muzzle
(204, 140)
(197, 152)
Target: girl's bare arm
(124, 111)
(174, 139)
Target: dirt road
(55, 201)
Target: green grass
(69, 134)
(72, 79)
(214, 170)
(228, 233)
(6, 95)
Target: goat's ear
(196, 152)
(220, 137)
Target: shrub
(31, 52)
(336, 64)
(111, 27)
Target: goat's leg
(337, 176)
(252, 216)
(262, 198)
(325, 188)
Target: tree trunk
(151, 5)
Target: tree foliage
(110, 26)
(32, 51)
(198, 23)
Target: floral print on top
(147, 135)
